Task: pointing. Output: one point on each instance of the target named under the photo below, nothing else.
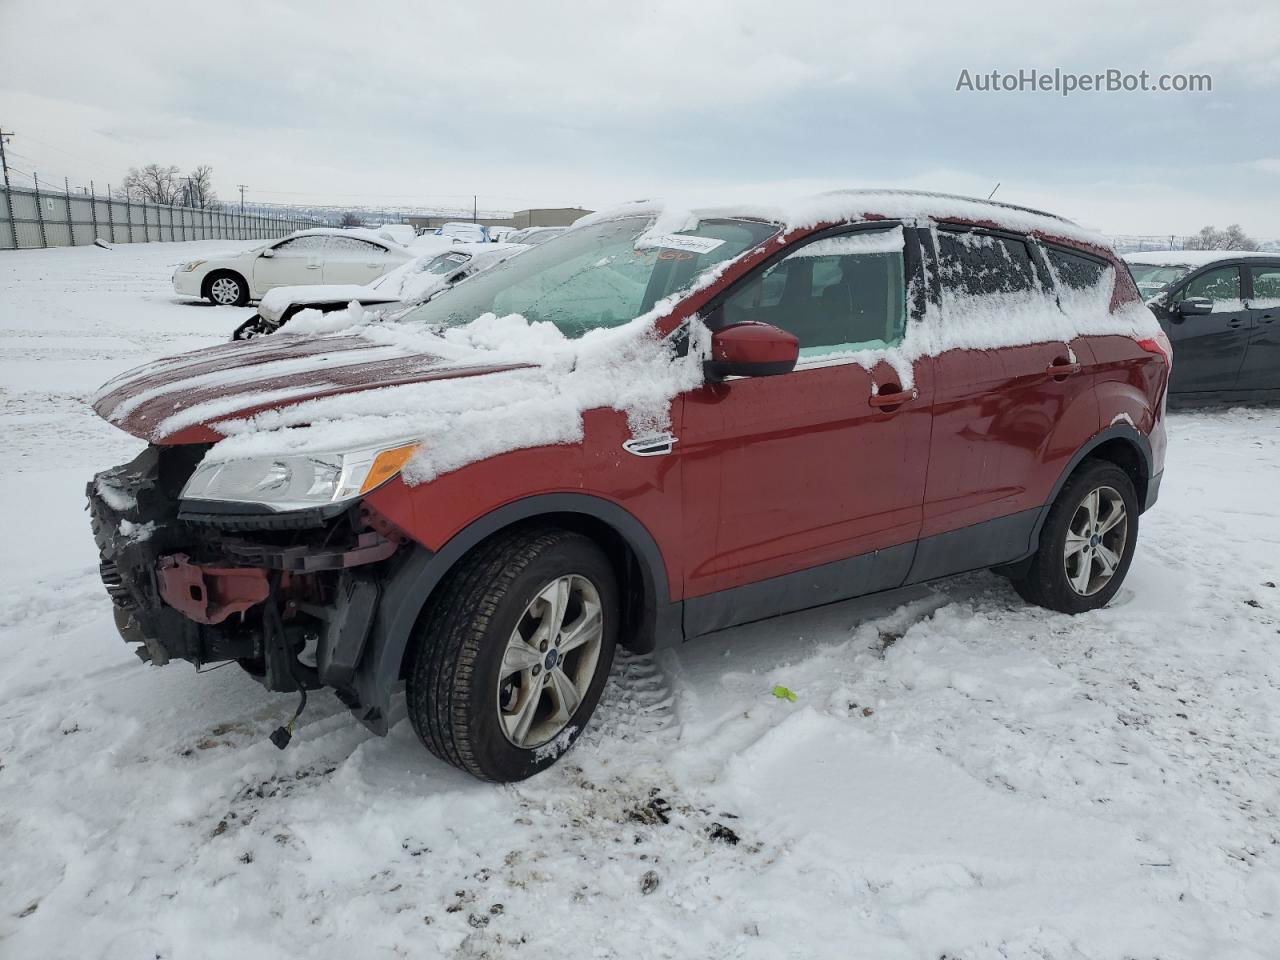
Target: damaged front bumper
(291, 596)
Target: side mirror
(269, 252)
(751, 349)
(1196, 306)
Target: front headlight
(297, 481)
(188, 267)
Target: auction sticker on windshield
(679, 241)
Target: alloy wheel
(1096, 539)
(225, 291)
(550, 661)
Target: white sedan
(306, 257)
(408, 284)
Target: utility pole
(475, 208)
(8, 197)
(243, 187)
(3, 163)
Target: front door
(298, 260)
(806, 488)
(1261, 368)
(1208, 348)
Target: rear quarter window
(1075, 270)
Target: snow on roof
(1193, 258)
(840, 205)
(360, 233)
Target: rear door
(352, 260)
(1013, 400)
(1209, 348)
(806, 488)
(1261, 368)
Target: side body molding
(417, 573)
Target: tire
(226, 289)
(1080, 581)
(473, 680)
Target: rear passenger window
(837, 295)
(980, 264)
(1075, 270)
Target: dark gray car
(1221, 311)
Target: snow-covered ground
(963, 777)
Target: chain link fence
(32, 217)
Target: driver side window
(1222, 286)
(836, 295)
(300, 246)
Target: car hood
(181, 399)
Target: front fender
(417, 573)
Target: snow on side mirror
(269, 252)
(751, 349)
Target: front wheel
(1086, 543)
(513, 656)
(228, 290)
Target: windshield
(1151, 278)
(595, 276)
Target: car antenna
(993, 190)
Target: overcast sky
(550, 104)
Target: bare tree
(153, 183)
(1232, 238)
(200, 192)
(350, 219)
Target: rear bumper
(292, 597)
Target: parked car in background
(465, 231)
(500, 234)
(401, 233)
(408, 284)
(532, 236)
(321, 255)
(1221, 310)
(843, 397)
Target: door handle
(883, 400)
(1061, 369)
(1236, 323)
(313, 266)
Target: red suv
(653, 427)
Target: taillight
(1159, 345)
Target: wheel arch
(650, 618)
(1121, 444)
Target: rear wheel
(227, 290)
(1086, 543)
(511, 660)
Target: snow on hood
(183, 399)
(537, 386)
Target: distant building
(538, 217)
